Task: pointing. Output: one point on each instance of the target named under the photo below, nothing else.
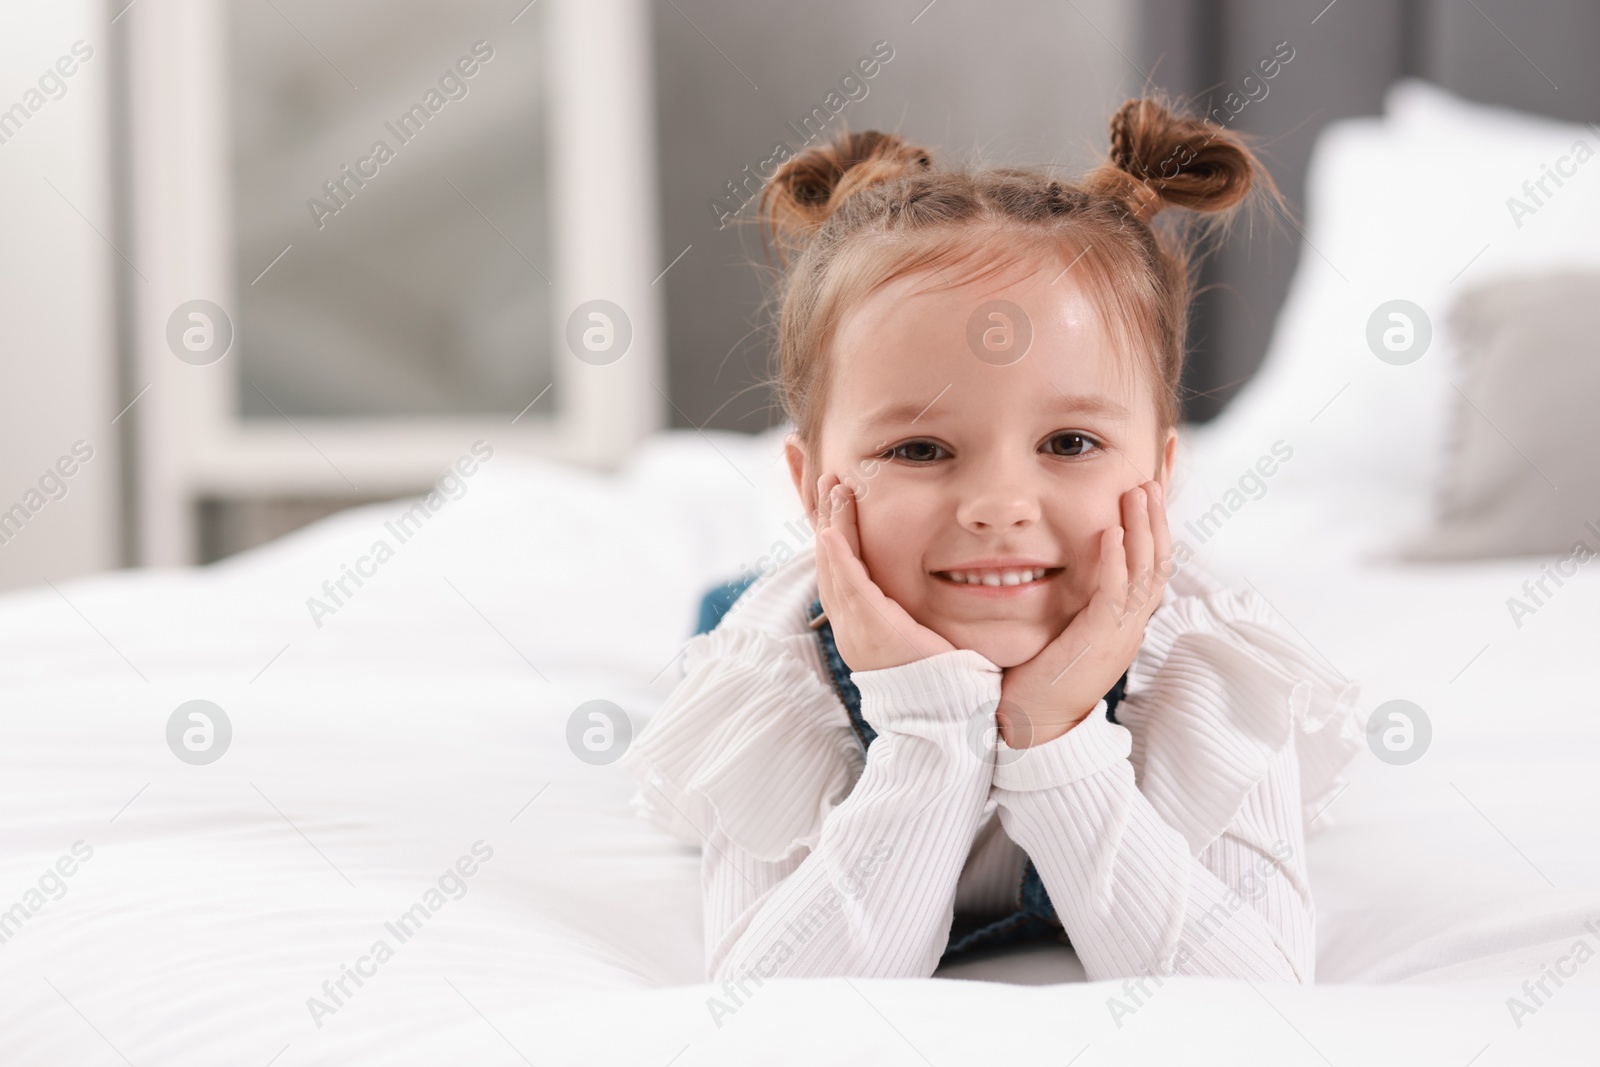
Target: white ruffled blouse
(1173, 843)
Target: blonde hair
(850, 216)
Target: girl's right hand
(871, 631)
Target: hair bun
(1160, 159)
(808, 188)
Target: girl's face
(970, 470)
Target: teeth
(1010, 576)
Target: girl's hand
(872, 631)
(1054, 691)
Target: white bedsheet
(430, 712)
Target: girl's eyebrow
(905, 411)
(897, 412)
(1088, 403)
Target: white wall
(56, 291)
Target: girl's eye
(1071, 444)
(916, 452)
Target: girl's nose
(994, 501)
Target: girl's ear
(1169, 457)
(805, 483)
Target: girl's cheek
(892, 534)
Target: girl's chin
(1005, 644)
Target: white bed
(430, 712)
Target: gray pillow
(1520, 475)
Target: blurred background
(266, 259)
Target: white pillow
(1409, 207)
(1413, 105)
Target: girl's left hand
(1055, 690)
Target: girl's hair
(848, 217)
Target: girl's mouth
(1000, 580)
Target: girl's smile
(999, 577)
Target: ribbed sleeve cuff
(1089, 747)
(943, 690)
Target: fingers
(1158, 528)
(824, 483)
(870, 629)
(842, 579)
(1084, 659)
(1112, 567)
(851, 583)
(842, 498)
(1138, 542)
(827, 579)
(1148, 547)
(859, 611)
(1078, 650)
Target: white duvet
(424, 725)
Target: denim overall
(1034, 917)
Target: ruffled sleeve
(1220, 686)
(752, 740)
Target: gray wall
(1535, 55)
(1033, 86)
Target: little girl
(990, 704)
